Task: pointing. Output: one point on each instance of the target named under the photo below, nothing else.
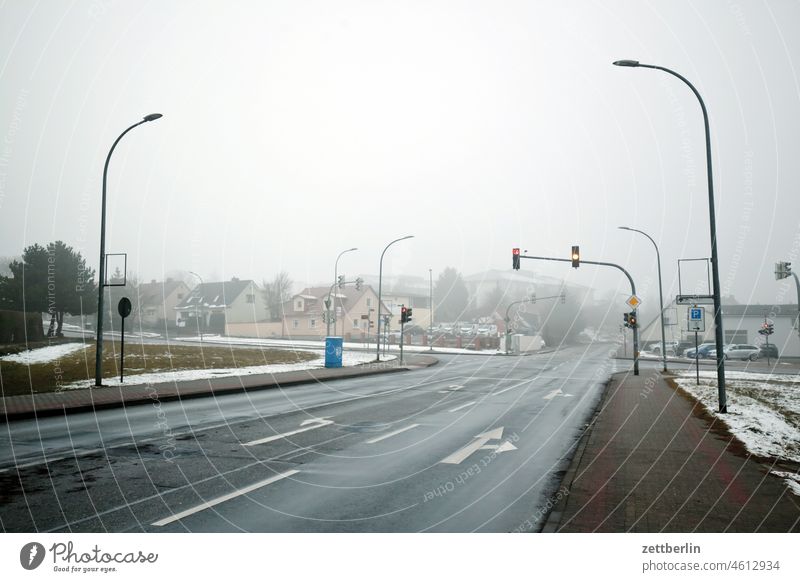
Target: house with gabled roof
(216, 306)
(355, 312)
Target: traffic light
(408, 314)
(632, 319)
(576, 256)
(563, 297)
(359, 283)
(625, 316)
(782, 270)
(515, 258)
(770, 328)
(403, 314)
(340, 282)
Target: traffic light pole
(633, 292)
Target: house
(739, 322)
(355, 312)
(153, 304)
(214, 307)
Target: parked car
(770, 350)
(672, 348)
(702, 351)
(742, 352)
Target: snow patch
(44, 355)
(763, 409)
(185, 375)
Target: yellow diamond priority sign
(634, 301)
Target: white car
(742, 352)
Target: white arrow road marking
(309, 424)
(501, 448)
(451, 388)
(391, 434)
(479, 443)
(223, 498)
(457, 408)
(555, 393)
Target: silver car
(742, 352)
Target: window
(251, 298)
(180, 296)
(369, 301)
(295, 323)
(312, 323)
(355, 324)
(298, 305)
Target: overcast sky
(293, 130)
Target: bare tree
(276, 293)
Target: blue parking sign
(696, 314)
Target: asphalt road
(472, 444)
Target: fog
(295, 130)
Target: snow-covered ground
(44, 355)
(320, 345)
(348, 359)
(763, 411)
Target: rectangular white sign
(697, 318)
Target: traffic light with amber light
(576, 257)
(515, 259)
(632, 319)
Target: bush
(13, 326)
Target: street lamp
(430, 312)
(98, 362)
(720, 335)
(380, 291)
(199, 299)
(335, 280)
(660, 293)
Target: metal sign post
(124, 308)
(697, 323)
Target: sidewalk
(83, 400)
(651, 461)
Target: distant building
(153, 304)
(218, 305)
(353, 309)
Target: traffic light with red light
(515, 258)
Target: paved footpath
(652, 461)
(59, 403)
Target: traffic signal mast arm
(633, 292)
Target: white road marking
(556, 392)
(451, 388)
(391, 434)
(223, 498)
(479, 442)
(310, 424)
(457, 408)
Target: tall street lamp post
(98, 362)
(380, 292)
(335, 282)
(719, 334)
(660, 293)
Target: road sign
(697, 319)
(124, 307)
(634, 301)
(694, 300)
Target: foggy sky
(293, 130)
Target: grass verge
(17, 378)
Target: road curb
(553, 518)
(174, 393)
